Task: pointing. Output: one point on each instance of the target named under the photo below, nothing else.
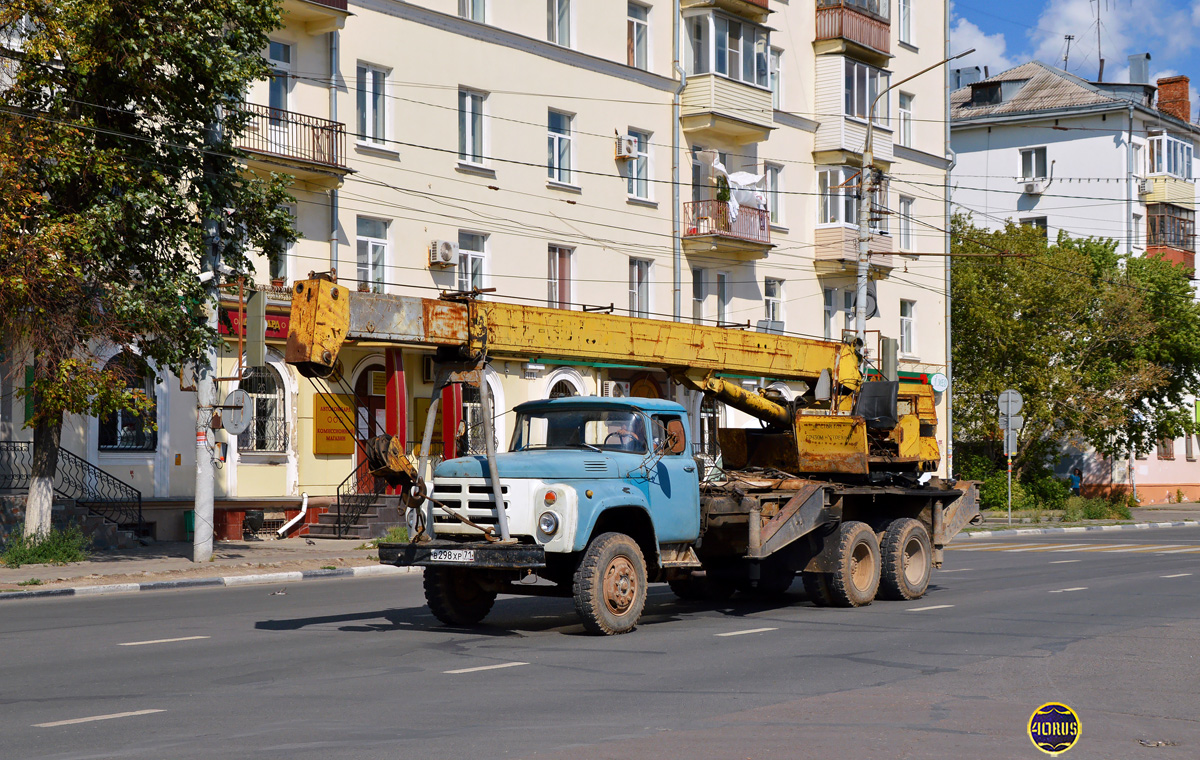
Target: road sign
(236, 418)
(939, 382)
(1011, 423)
(1011, 402)
(1010, 443)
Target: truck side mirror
(824, 390)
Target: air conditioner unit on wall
(443, 253)
(1034, 188)
(614, 389)
(626, 146)
(1145, 187)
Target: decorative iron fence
(862, 23)
(357, 493)
(287, 134)
(75, 478)
(713, 218)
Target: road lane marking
(73, 721)
(486, 667)
(1064, 561)
(748, 630)
(1176, 575)
(992, 548)
(162, 641)
(955, 570)
(1136, 548)
(1094, 547)
(1064, 590)
(934, 607)
(1042, 548)
(1183, 551)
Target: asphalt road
(1107, 623)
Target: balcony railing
(863, 22)
(295, 136)
(713, 218)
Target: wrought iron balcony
(862, 22)
(291, 137)
(711, 221)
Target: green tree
(109, 168)
(1103, 346)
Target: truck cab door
(673, 485)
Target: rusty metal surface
(831, 444)
(802, 514)
(318, 327)
(958, 513)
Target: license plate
(452, 555)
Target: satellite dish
(237, 412)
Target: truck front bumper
(463, 554)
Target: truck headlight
(548, 523)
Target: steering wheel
(623, 436)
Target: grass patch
(57, 547)
(30, 582)
(395, 535)
(1079, 508)
(328, 567)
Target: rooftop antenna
(1067, 55)
(1099, 50)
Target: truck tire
(456, 597)
(610, 584)
(816, 586)
(856, 578)
(907, 560)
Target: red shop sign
(230, 323)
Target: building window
(124, 430)
(880, 215)
(830, 297)
(906, 27)
(638, 36)
(1166, 449)
(472, 249)
(906, 224)
(470, 126)
(774, 71)
(1189, 450)
(722, 297)
(773, 299)
(639, 288)
(279, 57)
(699, 292)
(563, 389)
(774, 192)
(558, 22)
(372, 251)
(1171, 226)
(278, 261)
(906, 120)
(638, 168)
(837, 190)
(863, 83)
(372, 110)
(848, 309)
(558, 278)
(558, 148)
(1040, 223)
(908, 327)
(1033, 163)
(734, 49)
(268, 419)
(1171, 156)
(1138, 241)
(471, 9)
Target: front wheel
(456, 597)
(610, 584)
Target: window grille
(268, 422)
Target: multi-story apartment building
(1036, 145)
(552, 153)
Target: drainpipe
(1129, 169)
(676, 141)
(948, 261)
(333, 116)
(297, 519)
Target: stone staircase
(373, 522)
(105, 534)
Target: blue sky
(1012, 32)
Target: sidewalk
(166, 562)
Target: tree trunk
(46, 438)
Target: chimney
(1174, 97)
(1139, 68)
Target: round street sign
(939, 382)
(237, 412)
(1010, 402)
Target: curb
(231, 581)
(1077, 529)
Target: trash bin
(189, 524)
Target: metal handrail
(359, 491)
(713, 218)
(287, 134)
(75, 478)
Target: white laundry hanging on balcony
(743, 190)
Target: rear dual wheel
(907, 560)
(457, 596)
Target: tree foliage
(108, 169)
(1104, 347)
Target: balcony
(715, 107)
(1164, 188)
(858, 27)
(837, 248)
(755, 10)
(315, 16)
(306, 146)
(707, 226)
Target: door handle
(689, 468)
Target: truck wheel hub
(620, 585)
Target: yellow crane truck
(597, 497)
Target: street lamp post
(867, 187)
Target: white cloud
(990, 49)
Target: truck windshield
(604, 429)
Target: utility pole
(1067, 55)
(867, 186)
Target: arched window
(124, 430)
(563, 389)
(268, 419)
